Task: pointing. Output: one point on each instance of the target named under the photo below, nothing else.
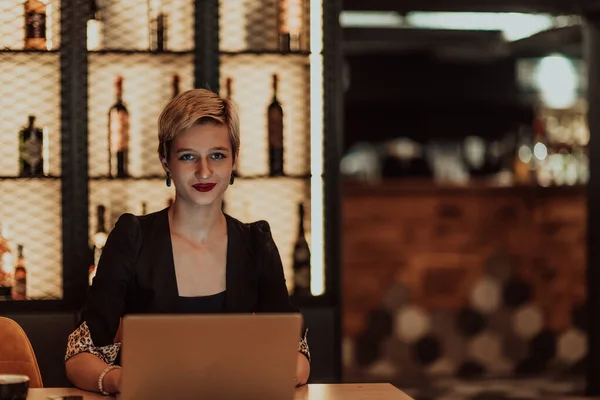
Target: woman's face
(201, 163)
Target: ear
(165, 164)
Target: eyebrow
(219, 148)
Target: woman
(188, 258)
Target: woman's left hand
(302, 369)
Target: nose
(203, 171)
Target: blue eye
(186, 157)
(218, 156)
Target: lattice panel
(128, 24)
(30, 208)
(12, 24)
(120, 197)
(276, 201)
(248, 25)
(147, 88)
(29, 85)
(30, 214)
(251, 25)
(252, 91)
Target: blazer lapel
(163, 268)
(238, 293)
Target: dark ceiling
(429, 84)
(471, 46)
(529, 6)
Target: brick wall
(470, 281)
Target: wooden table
(367, 391)
(371, 391)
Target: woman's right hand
(112, 381)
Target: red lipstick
(204, 187)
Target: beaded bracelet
(101, 378)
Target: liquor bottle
(161, 32)
(98, 240)
(301, 259)
(20, 277)
(31, 145)
(275, 127)
(228, 96)
(95, 27)
(35, 25)
(175, 86)
(228, 92)
(290, 14)
(118, 134)
(158, 26)
(5, 277)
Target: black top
(136, 274)
(212, 304)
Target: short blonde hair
(192, 107)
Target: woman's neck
(196, 223)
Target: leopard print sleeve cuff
(303, 345)
(80, 341)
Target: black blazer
(136, 273)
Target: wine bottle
(290, 14)
(228, 96)
(98, 240)
(228, 92)
(175, 86)
(31, 145)
(95, 27)
(161, 32)
(20, 277)
(275, 127)
(301, 259)
(118, 134)
(158, 26)
(35, 25)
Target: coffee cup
(13, 387)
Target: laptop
(210, 356)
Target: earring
(168, 179)
(232, 179)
